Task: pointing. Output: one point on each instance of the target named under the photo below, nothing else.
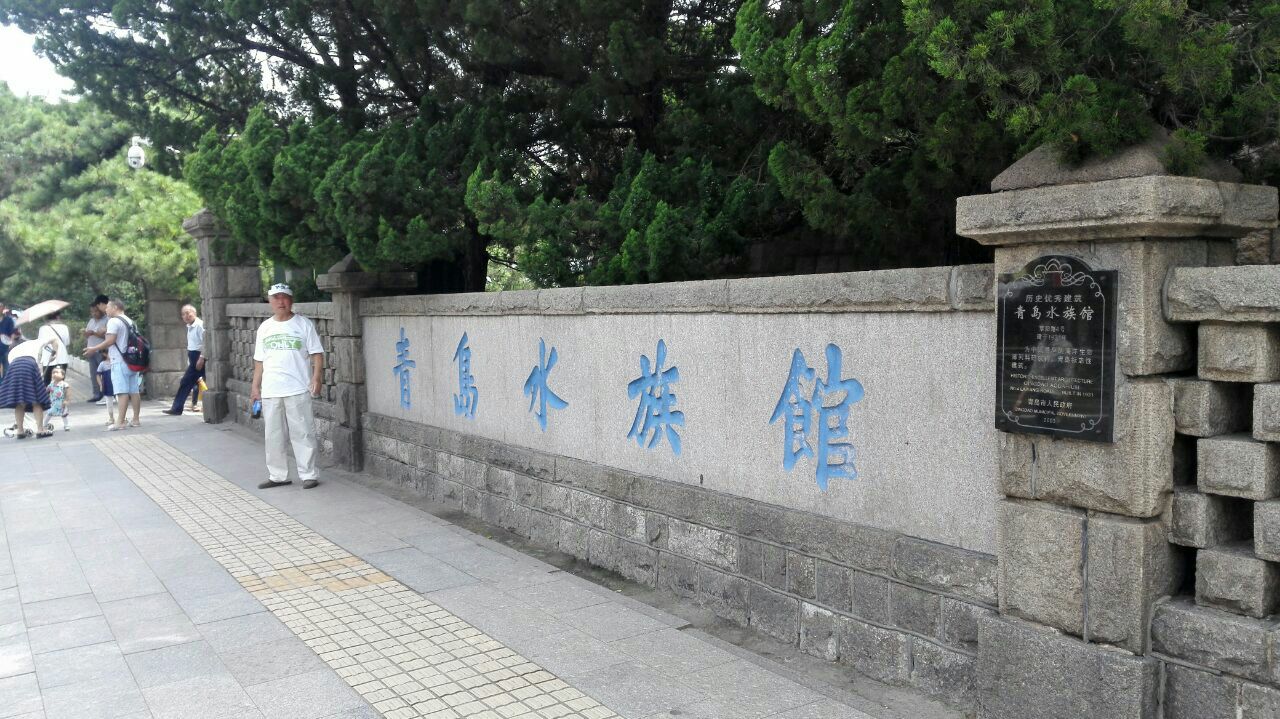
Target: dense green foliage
(75, 221)
(606, 141)
(1094, 76)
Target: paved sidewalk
(142, 574)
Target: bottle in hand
(257, 409)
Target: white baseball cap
(280, 288)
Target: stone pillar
(1082, 541)
(348, 283)
(168, 336)
(228, 275)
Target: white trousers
(289, 418)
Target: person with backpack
(128, 354)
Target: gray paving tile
(611, 621)
(824, 709)
(637, 690)
(418, 571)
(440, 541)
(20, 695)
(742, 689)
(117, 571)
(563, 594)
(175, 663)
(48, 571)
(75, 633)
(12, 629)
(512, 624)
(157, 544)
(350, 534)
(82, 538)
(305, 696)
(199, 584)
(148, 606)
(216, 695)
(207, 608)
(400, 521)
(272, 660)
(140, 633)
(673, 652)
(182, 565)
(235, 633)
(364, 712)
(81, 664)
(111, 698)
(63, 609)
(570, 653)
(15, 656)
(11, 607)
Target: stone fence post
(228, 274)
(168, 336)
(348, 283)
(1082, 539)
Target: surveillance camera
(137, 158)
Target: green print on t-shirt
(282, 342)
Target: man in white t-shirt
(125, 383)
(288, 364)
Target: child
(108, 393)
(59, 399)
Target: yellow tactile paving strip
(405, 655)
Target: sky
(26, 73)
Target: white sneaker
(102, 402)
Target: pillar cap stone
(202, 220)
(1154, 206)
(366, 281)
(1042, 167)
(346, 264)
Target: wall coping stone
(961, 573)
(1044, 166)
(1123, 209)
(359, 281)
(312, 310)
(963, 288)
(1248, 293)
(202, 220)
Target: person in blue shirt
(8, 337)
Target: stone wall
(244, 319)
(1014, 575)
(1218, 639)
(853, 573)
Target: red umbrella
(41, 309)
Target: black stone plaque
(1056, 325)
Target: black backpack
(137, 350)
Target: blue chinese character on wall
(403, 365)
(536, 386)
(654, 415)
(468, 397)
(827, 407)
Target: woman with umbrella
(53, 328)
(23, 389)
